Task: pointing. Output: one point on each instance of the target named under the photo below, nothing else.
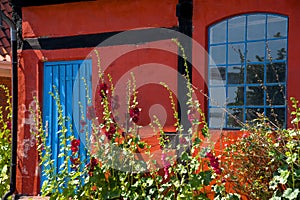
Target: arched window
(247, 69)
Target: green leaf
(290, 194)
(206, 177)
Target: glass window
(247, 70)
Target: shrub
(5, 142)
(264, 162)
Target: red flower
(135, 119)
(110, 133)
(8, 125)
(75, 161)
(134, 114)
(93, 163)
(74, 149)
(94, 187)
(209, 155)
(90, 113)
(75, 142)
(214, 163)
(103, 90)
(74, 145)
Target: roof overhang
(5, 69)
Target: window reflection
(275, 95)
(256, 51)
(253, 113)
(235, 74)
(235, 96)
(276, 72)
(217, 54)
(256, 27)
(236, 29)
(218, 33)
(236, 53)
(277, 49)
(235, 117)
(216, 117)
(249, 76)
(217, 75)
(255, 73)
(277, 26)
(254, 95)
(276, 115)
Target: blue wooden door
(71, 81)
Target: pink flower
(90, 113)
(191, 115)
(166, 165)
(82, 122)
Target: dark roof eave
(26, 3)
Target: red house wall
(112, 15)
(86, 18)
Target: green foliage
(265, 163)
(5, 142)
(63, 184)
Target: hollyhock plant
(103, 90)
(214, 163)
(74, 145)
(110, 133)
(166, 165)
(134, 114)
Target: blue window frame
(247, 70)
(70, 79)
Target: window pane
(277, 49)
(256, 27)
(256, 51)
(217, 96)
(248, 65)
(276, 115)
(255, 73)
(277, 26)
(217, 76)
(235, 117)
(236, 29)
(235, 96)
(235, 74)
(275, 95)
(216, 117)
(255, 95)
(253, 113)
(236, 53)
(276, 72)
(218, 54)
(218, 33)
